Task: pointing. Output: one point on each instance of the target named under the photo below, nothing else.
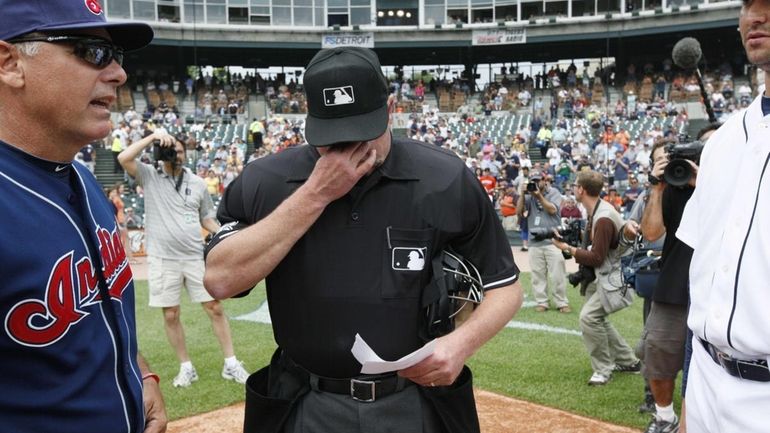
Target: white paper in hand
(371, 363)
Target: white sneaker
(185, 377)
(598, 379)
(235, 372)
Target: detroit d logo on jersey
(339, 96)
(408, 259)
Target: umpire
(331, 227)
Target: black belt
(364, 388)
(755, 369)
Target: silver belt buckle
(723, 358)
(372, 387)
(738, 364)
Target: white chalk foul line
(262, 315)
(540, 327)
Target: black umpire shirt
(672, 287)
(361, 266)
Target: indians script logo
(72, 288)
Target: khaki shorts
(663, 341)
(166, 278)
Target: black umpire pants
(281, 399)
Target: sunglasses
(96, 51)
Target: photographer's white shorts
(167, 277)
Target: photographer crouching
(600, 279)
(177, 205)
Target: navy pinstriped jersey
(68, 339)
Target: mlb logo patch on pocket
(408, 259)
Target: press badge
(537, 220)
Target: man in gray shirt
(541, 209)
(177, 205)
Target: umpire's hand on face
(339, 168)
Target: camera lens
(678, 173)
(574, 278)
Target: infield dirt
(497, 414)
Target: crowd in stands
(215, 152)
(572, 145)
(214, 97)
(575, 130)
(508, 126)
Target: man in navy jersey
(70, 362)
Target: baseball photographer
(601, 280)
(539, 204)
(674, 171)
(177, 205)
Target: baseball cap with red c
(21, 17)
(347, 97)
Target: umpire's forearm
(239, 262)
(497, 308)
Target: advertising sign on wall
(499, 37)
(364, 40)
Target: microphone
(686, 54)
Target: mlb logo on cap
(347, 97)
(408, 259)
(339, 96)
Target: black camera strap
(176, 180)
(179, 178)
(589, 227)
(585, 279)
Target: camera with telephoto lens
(570, 232)
(584, 274)
(679, 171)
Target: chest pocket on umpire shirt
(406, 262)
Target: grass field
(538, 366)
